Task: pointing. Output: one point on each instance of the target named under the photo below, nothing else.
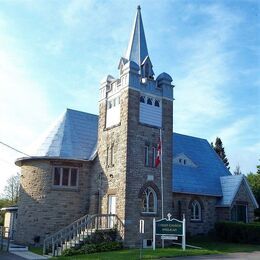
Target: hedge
(238, 232)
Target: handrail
(79, 230)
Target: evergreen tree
(258, 169)
(219, 149)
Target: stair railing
(75, 233)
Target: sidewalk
(27, 255)
(18, 252)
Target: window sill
(64, 188)
(112, 126)
(149, 214)
(196, 220)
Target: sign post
(183, 242)
(170, 229)
(141, 231)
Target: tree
(219, 149)
(258, 169)
(254, 182)
(11, 190)
(237, 171)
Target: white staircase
(77, 232)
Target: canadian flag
(158, 157)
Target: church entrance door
(111, 210)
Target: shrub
(238, 232)
(100, 241)
(101, 247)
(69, 252)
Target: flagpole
(161, 170)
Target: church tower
(132, 110)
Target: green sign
(169, 227)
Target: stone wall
(138, 175)
(128, 175)
(242, 197)
(44, 209)
(112, 176)
(208, 212)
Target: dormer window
(184, 160)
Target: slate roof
(203, 179)
(137, 48)
(74, 136)
(230, 186)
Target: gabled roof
(203, 179)
(137, 47)
(74, 136)
(230, 186)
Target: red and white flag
(158, 157)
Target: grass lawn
(209, 246)
(135, 254)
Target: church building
(94, 165)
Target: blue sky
(53, 55)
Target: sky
(53, 55)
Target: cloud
(204, 69)
(23, 104)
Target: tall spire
(137, 48)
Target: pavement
(238, 256)
(18, 252)
(20, 255)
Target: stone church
(105, 164)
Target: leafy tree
(219, 149)
(237, 171)
(254, 182)
(11, 190)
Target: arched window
(142, 99)
(157, 103)
(195, 210)
(149, 101)
(149, 201)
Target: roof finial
(138, 7)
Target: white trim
(146, 198)
(193, 211)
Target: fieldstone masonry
(44, 209)
(118, 166)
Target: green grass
(222, 247)
(135, 254)
(209, 247)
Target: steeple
(137, 48)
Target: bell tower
(132, 110)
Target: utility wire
(14, 149)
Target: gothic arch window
(142, 99)
(149, 201)
(157, 103)
(149, 101)
(195, 210)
